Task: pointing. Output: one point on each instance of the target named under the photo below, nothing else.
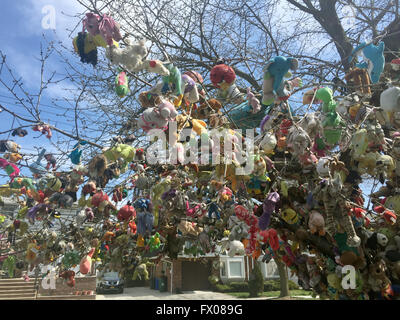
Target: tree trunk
(284, 279)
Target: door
(195, 275)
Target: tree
(194, 35)
(256, 281)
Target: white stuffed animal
(236, 247)
(390, 99)
(131, 57)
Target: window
(235, 268)
(223, 269)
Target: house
(188, 273)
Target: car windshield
(111, 276)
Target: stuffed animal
(51, 161)
(86, 263)
(190, 91)
(19, 132)
(253, 101)
(154, 242)
(10, 168)
(102, 25)
(75, 155)
(157, 118)
(122, 84)
(97, 166)
(274, 72)
(126, 213)
(377, 277)
(141, 271)
(191, 228)
(144, 222)
(207, 108)
(269, 206)
(10, 146)
(36, 168)
(235, 247)
(85, 46)
(62, 200)
(13, 157)
(328, 191)
(390, 102)
(69, 276)
(359, 79)
(173, 82)
(100, 200)
(374, 59)
(316, 223)
(131, 57)
(44, 129)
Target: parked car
(110, 282)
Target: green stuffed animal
(141, 271)
(326, 96)
(154, 242)
(174, 82)
(9, 265)
(333, 125)
(119, 151)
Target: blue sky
(21, 35)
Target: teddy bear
(131, 57)
(147, 99)
(235, 247)
(10, 146)
(206, 108)
(158, 117)
(97, 166)
(316, 223)
(191, 228)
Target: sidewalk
(144, 293)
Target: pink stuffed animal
(316, 223)
(86, 263)
(11, 169)
(103, 25)
(253, 101)
(167, 110)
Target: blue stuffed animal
(274, 73)
(374, 59)
(75, 155)
(36, 167)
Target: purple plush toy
(269, 206)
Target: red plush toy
(100, 200)
(389, 216)
(69, 275)
(117, 195)
(44, 129)
(126, 213)
(273, 240)
(222, 73)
